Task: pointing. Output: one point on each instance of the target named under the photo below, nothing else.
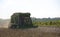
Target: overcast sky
(37, 8)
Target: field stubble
(31, 32)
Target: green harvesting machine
(21, 20)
